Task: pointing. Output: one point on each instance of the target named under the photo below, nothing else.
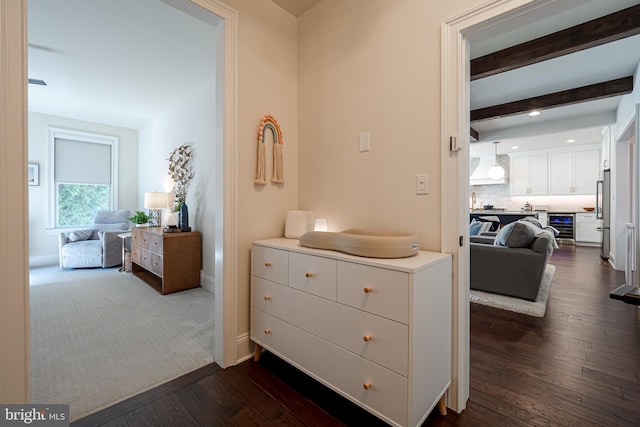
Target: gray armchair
(98, 246)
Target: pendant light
(496, 171)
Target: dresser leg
(256, 355)
(442, 406)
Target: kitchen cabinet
(588, 228)
(377, 331)
(573, 173)
(528, 175)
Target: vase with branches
(181, 172)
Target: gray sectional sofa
(512, 262)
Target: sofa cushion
(515, 235)
(79, 235)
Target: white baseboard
(42, 261)
(244, 347)
(208, 282)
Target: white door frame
(226, 192)
(455, 123)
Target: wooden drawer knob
(366, 386)
(267, 264)
(267, 331)
(367, 290)
(367, 338)
(309, 274)
(267, 297)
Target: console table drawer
(341, 370)
(313, 274)
(375, 338)
(375, 290)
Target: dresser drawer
(271, 264)
(339, 369)
(375, 290)
(154, 243)
(145, 259)
(155, 263)
(313, 274)
(136, 237)
(136, 255)
(375, 338)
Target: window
(82, 176)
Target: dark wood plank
(142, 399)
(142, 417)
(172, 412)
(271, 409)
(624, 23)
(563, 98)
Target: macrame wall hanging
(277, 176)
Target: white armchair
(98, 246)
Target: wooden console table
(169, 262)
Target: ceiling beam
(475, 136)
(609, 28)
(563, 98)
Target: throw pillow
(515, 235)
(478, 227)
(77, 235)
(474, 228)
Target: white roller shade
(82, 162)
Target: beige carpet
(99, 336)
(535, 308)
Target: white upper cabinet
(574, 173)
(558, 172)
(529, 175)
(586, 171)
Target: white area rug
(99, 336)
(535, 308)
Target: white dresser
(377, 331)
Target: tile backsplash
(498, 196)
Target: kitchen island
(505, 217)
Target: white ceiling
(118, 62)
(582, 122)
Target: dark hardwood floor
(577, 366)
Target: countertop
(495, 212)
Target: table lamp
(154, 201)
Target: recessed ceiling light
(534, 113)
(569, 141)
(515, 147)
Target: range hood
(479, 171)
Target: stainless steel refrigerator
(603, 211)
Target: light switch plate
(422, 183)
(364, 142)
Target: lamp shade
(156, 200)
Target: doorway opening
(222, 250)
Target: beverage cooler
(565, 224)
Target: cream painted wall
(267, 84)
(189, 121)
(372, 66)
(43, 244)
